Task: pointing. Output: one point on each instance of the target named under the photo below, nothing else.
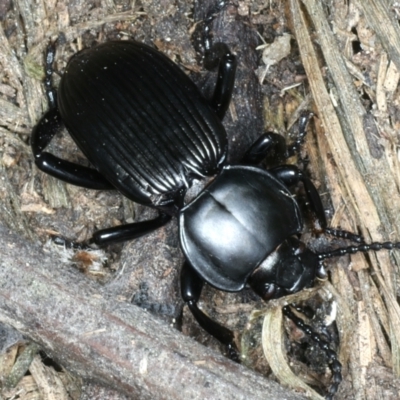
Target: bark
(114, 343)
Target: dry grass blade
(273, 346)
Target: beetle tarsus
(295, 147)
(274, 146)
(219, 55)
(208, 20)
(69, 244)
(48, 81)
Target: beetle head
(287, 270)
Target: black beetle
(149, 132)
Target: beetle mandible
(148, 132)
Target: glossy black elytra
(148, 132)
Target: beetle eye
(269, 291)
(260, 282)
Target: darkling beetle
(149, 133)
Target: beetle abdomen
(235, 223)
(140, 120)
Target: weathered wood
(114, 343)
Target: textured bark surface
(113, 343)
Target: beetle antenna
(334, 364)
(360, 248)
(343, 234)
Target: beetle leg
(290, 175)
(295, 147)
(48, 81)
(67, 171)
(220, 55)
(191, 286)
(274, 145)
(334, 363)
(129, 231)
(116, 234)
(270, 144)
(45, 130)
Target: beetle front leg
(191, 287)
(332, 357)
(290, 175)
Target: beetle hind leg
(191, 287)
(64, 170)
(48, 81)
(49, 125)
